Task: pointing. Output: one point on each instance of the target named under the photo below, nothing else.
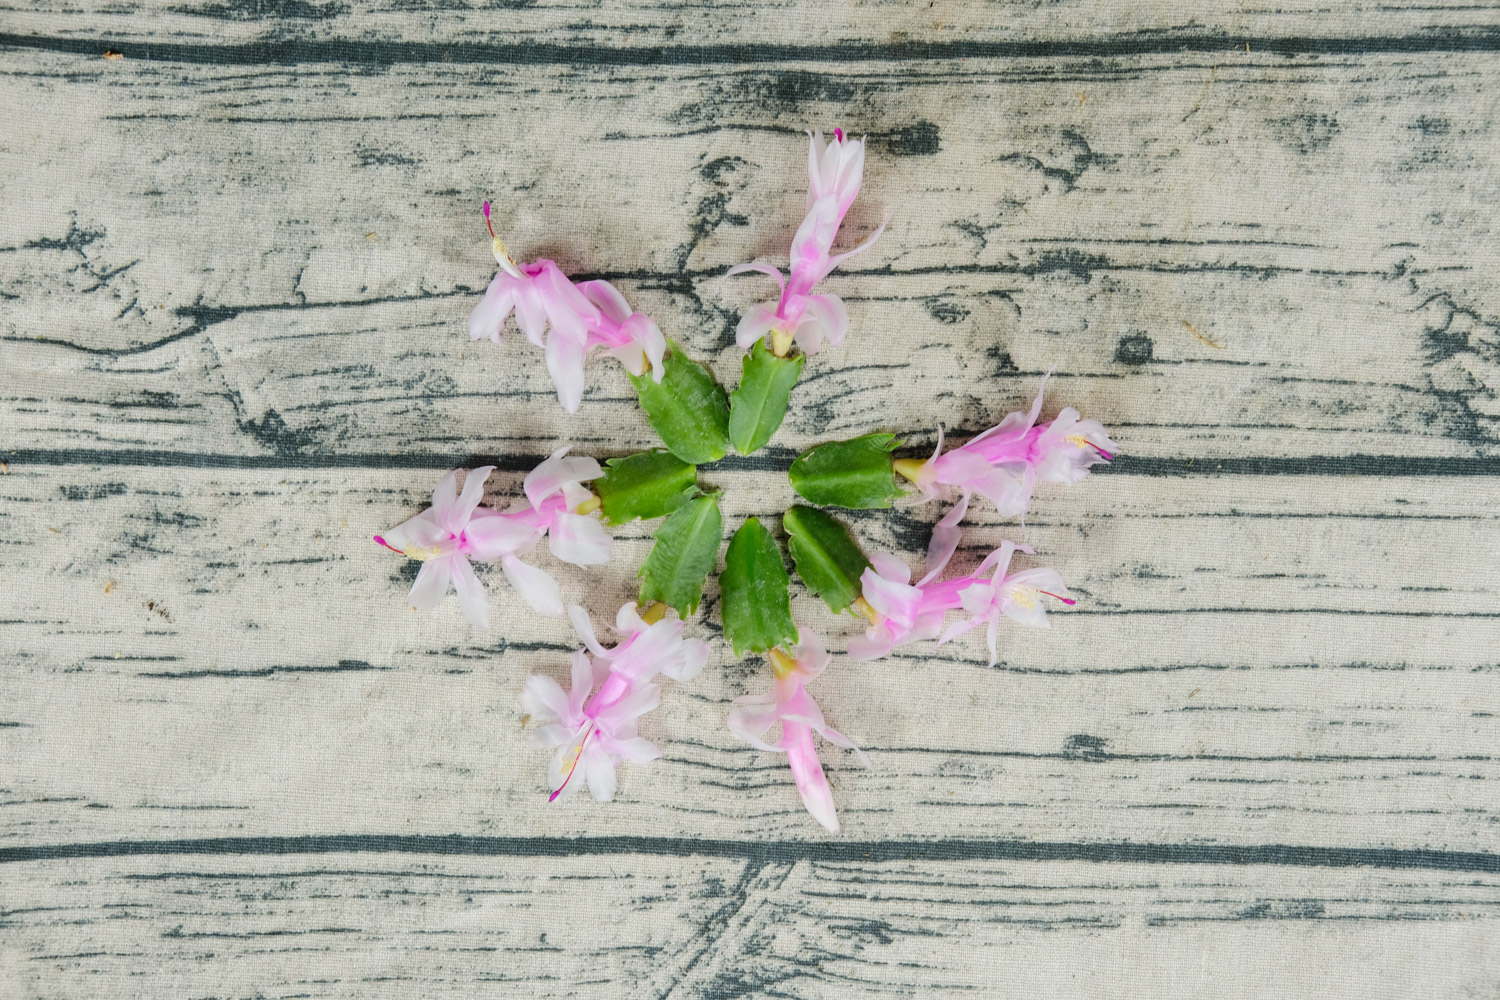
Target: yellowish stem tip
(863, 607)
(908, 468)
(782, 665)
(781, 342)
(654, 612)
(588, 506)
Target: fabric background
(236, 264)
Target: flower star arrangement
(594, 727)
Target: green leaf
(645, 485)
(856, 474)
(687, 546)
(827, 557)
(756, 604)
(687, 408)
(758, 406)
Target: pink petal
(555, 473)
(891, 567)
(750, 716)
(531, 314)
(534, 585)
(807, 772)
(493, 535)
(543, 699)
(875, 643)
(758, 321)
(471, 596)
(824, 316)
(581, 681)
(812, 654)
(565, 356)
(580, 540)
(432, 581)
(462, 509)
(585, 629)
(444, 496)
(607, 298)
(489, 315)
(765, 269)
(945, 538)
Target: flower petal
(471, 596)
(825, 316)
(421, 532)
(581, 680)
(758, 321)
(751, 716)
(607, 298)
(945, 538)
(565, 356)
(444, 496)
(557, 472)
(491, 535)
(462, 509)
(431, 585)
(544, 700)
(535, 586)
(599, 772)
(489, 315)
(585, 629)
(580, 540)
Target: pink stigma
(1065, 600)
(382, 541)
(487, 220)
(1107, 456)
(838, 134)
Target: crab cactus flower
(835, 170)
(1005, 463)
(592, 736)
(580, 316)
(788, 702)
(455, 529)
(1017, 596)
(650, 644)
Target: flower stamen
(570, 762)
(1068, 601)
(497, 247)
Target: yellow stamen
(781, 342)
(863, 607)
(782, 665)
(1023, 596)
(908, 468)
(588, 506)
(502, 257)
(1078, 439)
(422, 552)
(655, 612)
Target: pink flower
(835, 170)
(788, 702)
(592, 736)
(1005, 463)
(582, 317)
(900, 612)
(456, 529)
(646, 648)
(598, 733)
(1017, 596)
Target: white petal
(585, 629)
(565, 356)
(545, 701)
(534, 585)
(431, 585)
(471, 596)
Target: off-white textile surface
(236, 258)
